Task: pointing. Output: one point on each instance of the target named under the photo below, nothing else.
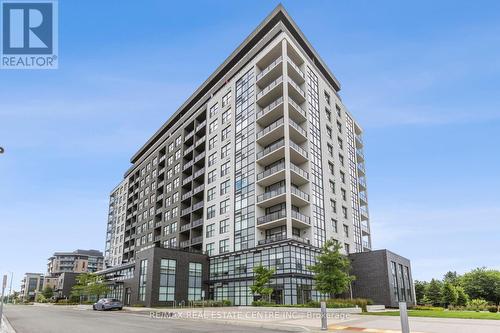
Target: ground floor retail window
(167, 280)
(194, 288)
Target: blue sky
(421, 77)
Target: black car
(107, 304)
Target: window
(170, 161)
(329, 132)
(331, 167)
(224, 187)
(194, 281)
(173, 228)
(143, 270)
(171, 147)
(346, 230)
(225, 151)
(178, 154)
(173, 242)
(341, 143)
(213, 110)
(339, 126)
(338, 110)
(328, 114)
(347, 248)
(212, 159)
(327, 98)
(210, 231)
(335, 226)
(344, 194)
(226, 116)
(211, 212)
(212, 142)
(333, 204)
(342, 177)
(224, 246)
(344, 211)
(211, 194)
(225, 133)
(224, 206)
(177, 168)
(341, 159)
(224, 169)
(213, 126)
(330, 149)
(226, 99)
(332, 186)
(176, 182)
(210, 248)
(212, 176)
(167, 280)
(224, 226)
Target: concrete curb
(6, 326)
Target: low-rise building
(31, 285)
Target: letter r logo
(27, 28)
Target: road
(60, 319)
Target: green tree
(89, 284)
(48, 292)
(420, 289)
(482, 283)
(434, 292)
(449, 294)
(261, 286)
(462, 298)
(452, 277)
(331, 271)
(39, 298)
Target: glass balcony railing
(298, 148)
(268, 68)
(300, 194)
(292, 63)
(270, 171)
(268, 108)
(301, 217)
(296, 86)
(298, 128)
(299, 171)
(271, 217)
(269, 128)
(271, 194)
(269, 149)
(269, 87)
(272, 239)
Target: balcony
(363, 199)
(295, 91)
(361, 169)
(198, 206)
(271, 175)
(187, 165)
(298, 154)
(198, 189)
(362, 183)
(184, 243)
(360, 155)
(363, 211)
(297, 133)
(189, 135)
(271, 153)
(187, 195)
(296, 111)
(187, 180)
(271, 112)
(300, 220)
(295, 72)
(270, 92)
(197, 222)
(272, 239)
(366, 246)
(200, 140)
(271, 198)
(185, 211)
(271, 71)
(299, 198)
(359, 141)
(201, 125)
(199, 173)
(365, 230)
(188, 150)
(197, 240)
(298, 175)
(199, 157)
(273, 219)
(185, 227)
(271, 133)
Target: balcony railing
(187, 180)
(271, 217)
(301, 217)
(270, 171)
(362, 181)
(187, 195)
(298, 128)
(189, 135)
(186, 211)
(299, 171)
(269, 128)
(272, 239)
(197, 240)
(184, 243)
(197, 222)
(290, 61)
(361, 167)
(198, 189)
(198, 205)
(298, 148)
(187, 165)
(268, 108)
(269, 87)
(199, 157)
(300, 193)
(185, 227)
(268, 68)
(187, 151)
(365, 229)
(200, 126)
(199, 172)
(271, 194)
(366, 245)
(296, 86)
(271, 148)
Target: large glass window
(194, 283)
(143, 279)
(167, 280)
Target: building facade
(382, 276)
(31, 285)
(115, 231)
(262, 164)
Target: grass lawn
(441, 314)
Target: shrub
(262, 303)
(138, 305)
(493, 309)
(428, 308)
(477, 304)
(348, 303)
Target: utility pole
(9, 299)
(4, 284)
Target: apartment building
(261, 165)
(78, 261)
(115, 231)
(31, 285)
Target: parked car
(107, 304)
